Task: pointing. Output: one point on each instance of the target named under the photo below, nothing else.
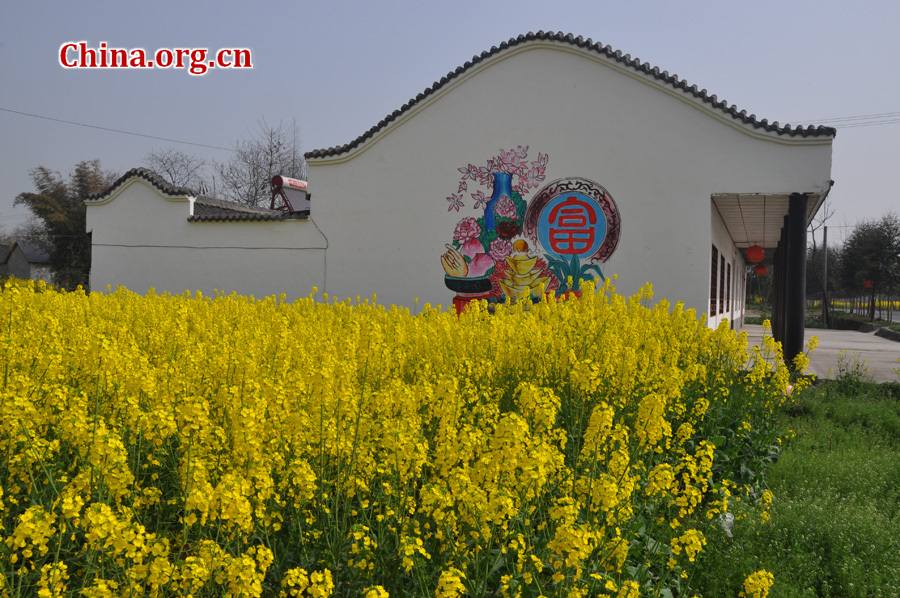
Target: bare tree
(819, 258)
(273, 150)
(178, 168)
(31, 230)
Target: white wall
(142, 239)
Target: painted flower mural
(467, 228)
(508, 229)
(481, 244)
(500, 248)
(515, 248)
(505, 208)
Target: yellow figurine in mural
(454, 263)
(523, 279)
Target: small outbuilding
(5, 251)
(28, 259)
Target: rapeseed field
(224, 446)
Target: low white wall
(142, 239)
(261, 272)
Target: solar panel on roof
(289, 195)
(298, 199)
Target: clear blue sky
(340, 67)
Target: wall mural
(514, 248)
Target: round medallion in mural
(574, 217)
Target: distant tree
(817, 257)
(59, 204)
(6, 237)
(177, 167)
(815, 284)
(870, 258)
(246, 178)
(32, 230)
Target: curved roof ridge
(634, 63)
(206, 209)
(148, 175)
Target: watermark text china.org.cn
(197, 61)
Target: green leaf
(555, 262)
(655, 546)
(717, 441)
(595, 268)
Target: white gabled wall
(141, 239)
(383, 208)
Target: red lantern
(868, 284)
(761, 269)
(756, 254)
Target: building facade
(545, 157)
(690, 176)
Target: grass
(757, 320)
(860, 318)
(835, 519)
(811, 321)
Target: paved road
(878, 355)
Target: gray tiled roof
(5, 252)
(149, 176)
(634, 63)
(33, 252)
(208, 209)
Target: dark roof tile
(652, 71)
(209, 209)
(149, 176)
(33, 252)
(206, 209)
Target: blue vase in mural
(502, 186)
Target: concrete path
(875, 354)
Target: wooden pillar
(795, 287)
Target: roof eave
(631, 66)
